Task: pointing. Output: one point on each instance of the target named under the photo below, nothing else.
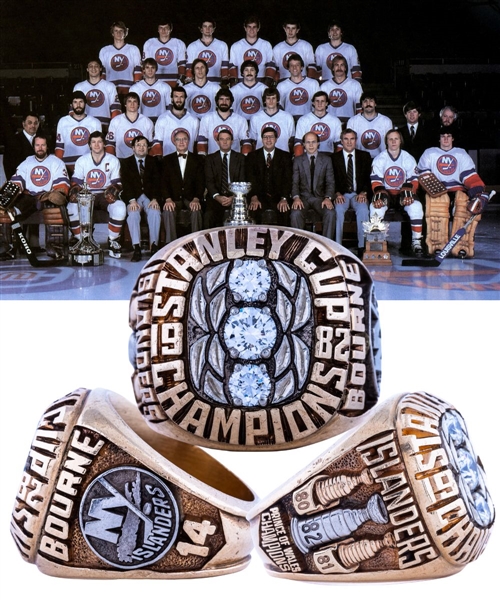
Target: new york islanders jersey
(38, 176)
(121, 66)
(170, 56)
(214, 54)
(371, 134)
(168, 126)
(328, 128)
(213, 123)
(343, 98)
(247, 100)
(325, 54)
(283, 51)
(122, 131)
(392, 173)
(296, 98)
(260, 51)
(102, 100)
(200, 99)
(98, 176)
(454, 168)
(154, 98)
(73, 137)
(281, 122)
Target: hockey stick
(438, 259)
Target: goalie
(44, 184)
(461, 189)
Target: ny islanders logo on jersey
(164, 56)
(220, 128)
(96, 179)
(331, 57)
(272, 124)
(40, 176)
(208, 56)
(250, 105)
(253, 54)
(80, 136)
(177, 131)
(394, 177)
(371, 139)
(337, 98)
(201, 104)
(130, 135)
(447, 164)
(151, 98)
(298, 96)
(119, 62)
(322, 131)
(95, 98)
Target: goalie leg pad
(460, 216)
(56, 223)
(437, 217)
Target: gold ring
(103, 496)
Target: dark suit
(213, 178)
(322, 187)
(271, 184)
(421, 141)
(17, 149)
(182, 190)
(143, 191)
(362, 170)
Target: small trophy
(239, 209)
(86, 252)
(376, 231)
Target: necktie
(268, 174)
(412, 132)
(312, 175)
(268, 161)
(350, 174)
(141, 168)
(225, 175)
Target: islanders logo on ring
(40, 176)
(299, 96)
(250, 105)
(337, 98)
(151, 98)
(272, 124)
(164, 56)
(322, 130)
(95, 98)
(332, 57)
(80, 136)
(371, 139)
(447, 164)
(253, 54)
(394, 177)
(96, 179)
(201, 104)
(208, 56)
(130, 135)
(220, 128)
(119, 62)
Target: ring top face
(404, 498)
(254, 338)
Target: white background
(449, 349)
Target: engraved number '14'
(197, 533)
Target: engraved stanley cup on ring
(333, 525)
(239, 209)
(87, 251)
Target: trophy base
(376, 253)
(93, 259)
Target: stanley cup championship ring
(403, 497)
(104, 496)
(254, 338)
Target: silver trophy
(239, 209)
(86, 252)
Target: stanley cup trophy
(86, 252)
(239, 209)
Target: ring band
(403, 497)
(254, 338)
(103, 496)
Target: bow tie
(182, 155)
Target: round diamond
(250, 280)
(249, 332)
(250, 385)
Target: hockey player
(201, 92)
(153, 93)
(223, 118)
(248, 93)
(168, 52)
(293, 45)
(297, 91)
(101, 95)
(272, 116)
(455, 169)
(370, 126)
(325, 53)
(73, 131)
(121, 61)
(344, 93)
(319, 121)
(394, 184)
(175, 119)
(101, 172)
(251, 47)
(124, 128)
(212, 51)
